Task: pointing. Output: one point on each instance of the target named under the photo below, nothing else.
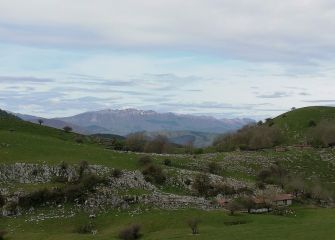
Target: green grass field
(306, 223)
(26, 142)
(295, 123)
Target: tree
(202, 184)
(135, 142)
(67, 129)
(189, 148)
(233, 206)
(159, 144)
(247, 202)
(40, 121)
(194, 225)
(295, 186)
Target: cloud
(274, 95)
(252, 30)
(321, 101)
(16, 79)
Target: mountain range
(180, 127)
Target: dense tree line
(251, 137)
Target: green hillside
(297, 123)
(26, 142)
(22, 141)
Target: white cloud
(295, 30)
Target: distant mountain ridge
(124, 122)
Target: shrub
(2, 200)
(116, 173)
(312, 123)
(63, 165)
(131, 232)
(135, 142)
(2, 234)
(79, 139)
(70, 193)
(158, 145)
(144, 160)
(11, 207)
(83, 165)
(202, 184)
(247, 203)
(322, 135)
(233, 206)
(86, 228)
(154, 174)
(252, 137)
(199, 151)
(221, 188)
(35, 198)
(214, 167)
(67, 129)
(59, 179)
(232, 223)
(194, 225)
(167, 162)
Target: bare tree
(233, 206)
(67, 129)
(194, 225)
(40, 121)
(135, 142)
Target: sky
(223, 58)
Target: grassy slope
(295, 123)
(160, 224)
(38, 144)
(31, 143)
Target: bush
(252, 137)
(35, 198)
(67, 129)
(154, 174)
(144, 160)
(11, 207)
(135, 142)
(194, 225)
(83, 165)
(221, 188)
(87, 228)
(247, 203)
(2, 234)
(199, 151)
(2, 200)
(234, 206)
(214, 167)
(63, 165)
(59, 179)
(232, 223)
(322, 135)
(71, 193)
(167, 162)
(312, 123)
(79, 139)
(202, 184)
(130, 233)
(116, 173)
(158, 145)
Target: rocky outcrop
(107, 195)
